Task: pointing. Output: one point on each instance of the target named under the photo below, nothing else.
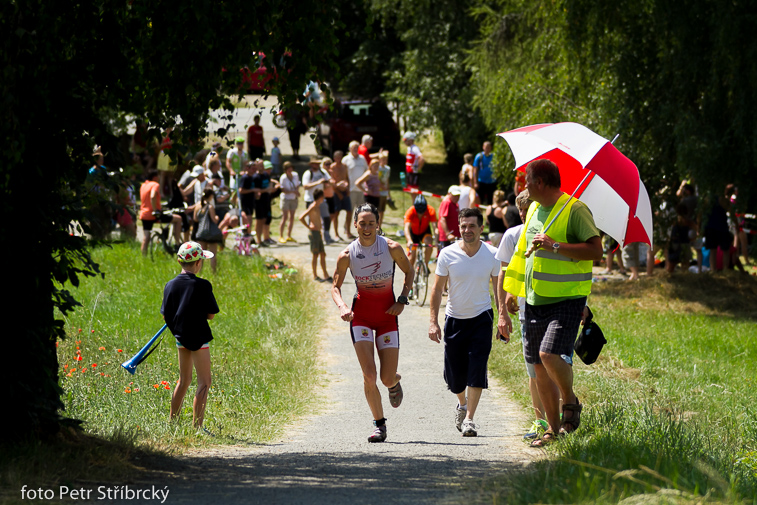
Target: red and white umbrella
(592, 170)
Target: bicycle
(420, 279)
(243, 244)
(161, 238)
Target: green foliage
(432, 83)
(668, 406)
(64, 77)
(263, 353)
(664, 75)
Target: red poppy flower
(65, 366)
(93, 331)
(72, 370)
(119, 350)
(94, 365)
(79, 330)
(168, 387)
(84, 369)
(127, 390)
(101, 349)
(78, 358)
(156, 386)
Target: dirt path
(326, 458)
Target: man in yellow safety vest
(552, 271)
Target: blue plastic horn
(131, 365)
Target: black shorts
(343, 203)
(413, 179)
(263, 210)
(486, 191)
(552, 328)
(714, 239)
(467, 344)
(331, 202)
(373, 200)
(164, 218)
(417, 239)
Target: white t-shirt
(290, 185)
(469, 279)
(309, 177)
(355, 168)
(507, 247)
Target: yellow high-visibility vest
(554, 275)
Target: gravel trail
(325, 458)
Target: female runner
(373, 316)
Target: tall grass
(669, 412)
(263, 353)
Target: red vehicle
(349, 120)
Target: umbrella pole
(546, 228)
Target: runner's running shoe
(469, 428)
(395, 395)
(460, 417)
(378, 435)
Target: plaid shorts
(552, 328)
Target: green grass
(669, 405)
(263, 354)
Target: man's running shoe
(378, 435)
(270, 241)
(469, 428)
(537, 428)
(460, 417)
(395, 395)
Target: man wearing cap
(552, 271)
(356, 167)
(448, 227)
(236, 160)
(255, 140)
(264, 186)
(413, 161)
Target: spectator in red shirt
(449, 228)
(365, 147)
(255, 140)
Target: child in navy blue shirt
(188, 304)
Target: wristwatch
(556, 247)
(403, 300)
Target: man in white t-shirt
(505, 254)
(469, 265)
(356, 167)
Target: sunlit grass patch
(263, 353)
(669, 411)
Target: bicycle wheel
(155, 243)
(420, 283)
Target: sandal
(547, 438)
(574, 421)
